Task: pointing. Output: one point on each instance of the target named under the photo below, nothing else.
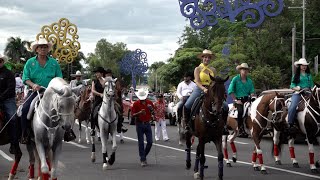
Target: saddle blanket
(233, 112)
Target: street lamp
(303, 27)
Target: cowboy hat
(41, 41)
(100, 70)
(142, 94)
(242, 66)
(206, 52)
(78, 73)
(301, 61)
(4, 58)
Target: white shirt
(184, 89)
(19, 83)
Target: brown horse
(83, 110)
(4, 139)
(208, 126)
(260, 109)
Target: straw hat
(206, 52)
(41, 41)
(242, 66)
(142, 94)
(78, 73)
(5, 58)
(301, 61)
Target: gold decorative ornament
(63, 35)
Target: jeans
(25, 110)
(180, 107)
(196, 93)
(295, 99)
(141, 130)
(10, 108)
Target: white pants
(162, 123)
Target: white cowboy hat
(301, 61)
(142, 94)
(206, 52)
(5, 58)
(242, 66)
(41, 41)
(78, 73)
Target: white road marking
(78, 145)
(241, 162)
(3, 154)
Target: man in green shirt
(37, 73)
(241, 87)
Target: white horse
(53, 115)
(107, 121)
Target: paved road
(166, 161)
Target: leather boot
(120, 127)
(69, 135)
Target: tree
(16, 49)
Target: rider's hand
(101, 95)
(238, 102)
(205, 90)
(297, 88)
(36, 87)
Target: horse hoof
(188, 165)
(104, 166)
(315, 171)
(11, 176)
(264, 172)
(295, 165)
(93, 157)
(196, 175)
(234, 159)
(229, 165)
(112, 159)
(121, 141)
(278, 162)
(256, 169)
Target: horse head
(109, 89)
(277, 107)
(216, 94)
(62, 108)
(315, 96)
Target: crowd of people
(41, 69)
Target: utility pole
(293, 47)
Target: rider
(202, 80)
(37, 73)
(241, 87)
(8, 103)
(97, 92)
(302, 79)
(120, 127)
(77, 82)
(184, 90)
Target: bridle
(109, 88)
(275, 112)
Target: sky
(154, 26)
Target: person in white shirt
(19, 83)
(77, 82)
(184, 90)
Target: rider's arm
(179, 88)
(93, 89)
(197, 78)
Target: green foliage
(266, 77)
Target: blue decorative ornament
(134, 63)
(207, 13)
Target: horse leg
(292, 153)
(14, 167)
(196, 163)
(80, 131)
(275, 146)
(55, 156)
(260, 158)
(42, 156)
(104, 143)
(225, 150)
(87, 131)
(121, 138)
(188, 150)
(232, 145)
(254, 159)
(114, 148)
(32, 160)
(311, 157)
(218, 144)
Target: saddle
(195, 109)
(233, 112)
(301, 105)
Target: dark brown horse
(267, 103)
(208, 126)
(83, 110)
(4, 139)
